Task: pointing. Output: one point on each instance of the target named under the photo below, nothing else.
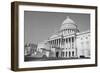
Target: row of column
(65, 54)
(68, 43)
(68, 54)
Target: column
(65, 42)
(53, 43)
(68, 42)
(75, 45)
(60, 47)
(58, 42)
(71, 45)
(67, 47)
(71, 42)
(64, 47)
(66, 31)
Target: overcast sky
(38, 26)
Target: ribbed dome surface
(68, 24)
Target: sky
(39, 26)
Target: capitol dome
(68, 24)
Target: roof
(68, 20)
(68, 23)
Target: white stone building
(68, 42)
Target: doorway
(57, 54)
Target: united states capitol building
(68, 42)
